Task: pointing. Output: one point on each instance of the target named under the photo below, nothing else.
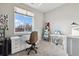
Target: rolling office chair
(32, 41)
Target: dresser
(18, 43)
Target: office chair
(32, 41)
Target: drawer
(16, 37)
(23, 47)
(15, 40)
(14, 50)
(15, 45)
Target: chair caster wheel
(36, 47)
(26, 49)
(56, 43)
(36, 52)
(28, 54)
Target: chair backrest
(33, 37)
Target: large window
(23, 21)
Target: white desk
(64, 40)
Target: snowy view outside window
(23, 23)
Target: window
(23, 21)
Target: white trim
(20, 10)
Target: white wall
(63, 17)
(9, 9)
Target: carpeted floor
(45, 48)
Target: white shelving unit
(2, 40)
(63, 41)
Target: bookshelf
(46, 32)
(3, 41)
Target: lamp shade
(74, 23)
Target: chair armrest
(27, 41)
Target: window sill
(22, 33)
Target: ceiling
(44, 7)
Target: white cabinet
(18, 43)
(15, 44)
(75, 47)
(72, 46)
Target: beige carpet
(44, 49)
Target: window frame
(24, 32)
